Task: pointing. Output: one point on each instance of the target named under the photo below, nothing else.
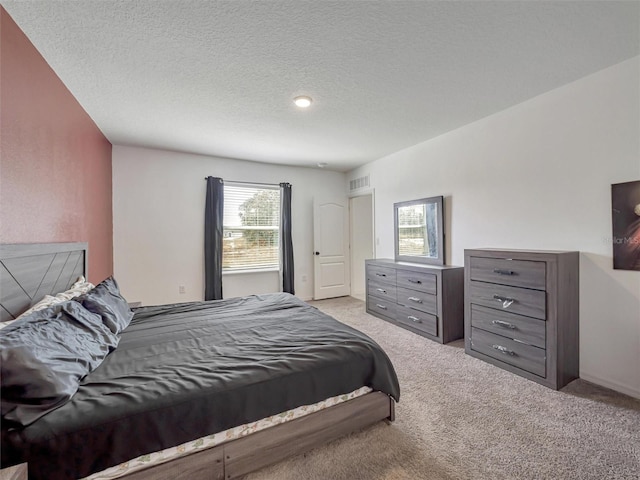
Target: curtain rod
(252, 183)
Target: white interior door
(331, 248)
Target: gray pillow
(105, 300)
(45, 355)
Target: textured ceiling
(218, 77)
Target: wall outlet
(182, 289)
(303, 278)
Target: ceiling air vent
(360, 182)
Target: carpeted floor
(461, 418)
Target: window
(251, 227)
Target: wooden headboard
(29, 271)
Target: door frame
(352, 195)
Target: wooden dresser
(426, 299)
(521, 312)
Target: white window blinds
(251, 227)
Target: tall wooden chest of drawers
(521, 312)
(426, 299)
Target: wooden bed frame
(30, 271)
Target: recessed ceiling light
(303, 101)
(322, 164)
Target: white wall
(538, 176)
(158, 222)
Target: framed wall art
(625, 203)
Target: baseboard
(632, 392)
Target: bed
(189, 374)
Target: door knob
(317, 253)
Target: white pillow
(78, 288)
(81, 282)
(46, 302)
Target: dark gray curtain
(286, 245)
(213, 213)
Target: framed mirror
(419, 230)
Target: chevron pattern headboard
(29, 271)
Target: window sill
(253, 270)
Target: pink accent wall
(55, 164)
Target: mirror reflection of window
(417, 230)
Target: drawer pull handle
(506, 301)
(381, 274)
(411, 280)
(500, 323)
(415, 299)
(381, 290)
(381, 306)
(500, 271)
(504, 350)
(414, 319)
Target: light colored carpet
(461, 418)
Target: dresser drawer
(516, 273)
(422, 321)
(523, 301)
(382, 306)
(423, 282)
(382, 290)
(381, 274)
(523, 329)
(526, 357)
(418, 300)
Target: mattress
(185, 371)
